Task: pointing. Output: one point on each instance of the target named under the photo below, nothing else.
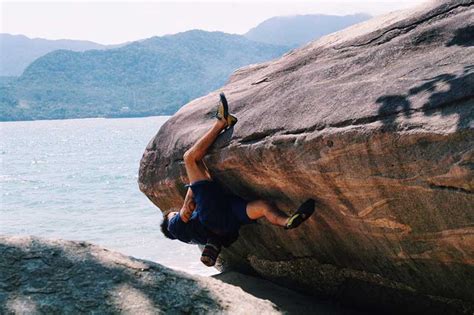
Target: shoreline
(85, 118)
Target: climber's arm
(188, 206)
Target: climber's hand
(186, 211)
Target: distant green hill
(155, 76)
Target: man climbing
(211, 217)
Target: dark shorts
(220, 212)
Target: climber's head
(167, 216)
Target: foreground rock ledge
(39, 276)
(376, 123)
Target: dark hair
(164, 225)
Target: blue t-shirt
(192, 232)
(217, 215)
(214, 208)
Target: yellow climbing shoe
(223, 112)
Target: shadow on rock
(224, 138)
(49, 277)
(284, 298)
(393, 104)
(463, 37)
(448, 94)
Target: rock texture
(376, 123)
(39, 276)
(288, 301)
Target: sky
(112, 22)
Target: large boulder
(40, 276)
(376, 123)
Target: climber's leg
(203, 168)
(260, 208)
(195, 168)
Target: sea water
(76, 179)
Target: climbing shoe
(210, 253)
(223, 112)
(302, 214)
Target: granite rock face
(39, 276)
(374, 122)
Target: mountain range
(300, 29)
(18, 51)
(150, 77)
(154, 76)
